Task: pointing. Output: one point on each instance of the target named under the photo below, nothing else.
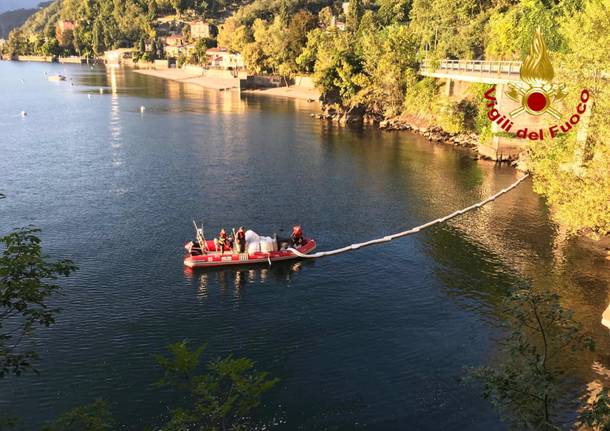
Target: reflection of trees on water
(482, 277)
(237, 279)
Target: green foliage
(597, 414)
(529, 387)
(234, 36)
(17, 44)
(338, 68)
(225, 397)
(100, 25)
(511, 30)
(92, 417)
(446, 29)
(394, 11)
(354, 14)
(450, 115)
(389, 62)
(27, 281)
(422, 97)
(573, 174)
(577, 193)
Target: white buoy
(24, 114)
(89, 96)
(142, 108)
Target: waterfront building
(222, 58)
(176, 50)
(174, 40)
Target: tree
(51, 47)
(530, 385)
(178, 6)
(510, 30)
(389, 60)
(444, 28)
(325, 17)
(17, 43)
(27, 281)
(354, 13)
(572, 173)
(295, 38)
(394, 11)
(596, 415)
(97, 38)
(224, 398)
(307, 58)
(91, 417)
(233, 36)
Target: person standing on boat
(222, 240)
(297, 236)
(241, 240)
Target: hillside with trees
(13, 19)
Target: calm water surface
(376, 339)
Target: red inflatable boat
(202, 253)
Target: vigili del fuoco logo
(537, 95)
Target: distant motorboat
(57, 78)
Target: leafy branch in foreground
(27, 281)
(597, 414)
(224, 398)
(529, 387)
(90, 417)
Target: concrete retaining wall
(161, 64)
(39, 58)
(304, 81)
(255, 81)
(71, 60)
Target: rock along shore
(432, 132)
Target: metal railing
(481, 67)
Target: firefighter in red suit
(297, 236)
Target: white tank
(252, 236)
(253, 247)
(266, 244)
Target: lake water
(375, 339)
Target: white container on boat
(252, 236)
(253, 247)
(266, 244)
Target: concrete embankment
(52, 59)
(192, 77)
(229, 80)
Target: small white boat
(56, 78)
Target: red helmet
(296, 230)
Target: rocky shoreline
(433, 133)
